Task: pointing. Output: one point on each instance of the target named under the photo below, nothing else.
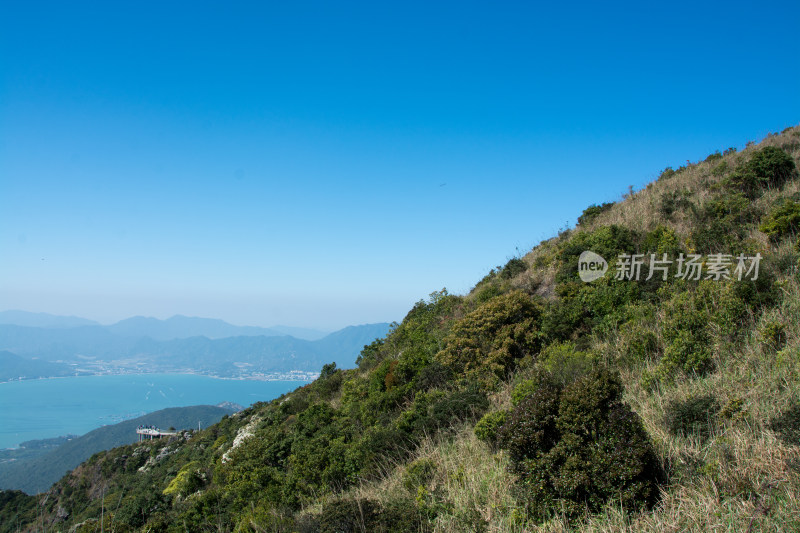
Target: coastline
(299, 376)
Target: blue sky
(325, 164)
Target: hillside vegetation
(535, 402)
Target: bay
(44, 408)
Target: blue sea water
(44, 408)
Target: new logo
(591, 266)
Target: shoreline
(179, 373)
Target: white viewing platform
(147, 433)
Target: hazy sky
(325, 164)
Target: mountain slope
(538, 401)
(13, 367)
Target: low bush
(783, 221)
(608, 241)
(769, 167)
(692, 417)
(722, 225)
(591, 212)
(487, 292)
(773, 333)
(564, 363)
(418, 474)
(486, 343)
(637, 339)
(720, 169)
(690, 319)
(667, 173)
(488, 428)
(435, 411)
(513, 268)
(578, 447)
(662, 240)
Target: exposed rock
(243, 434)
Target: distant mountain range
(178, 344)
(34, 472)
(43, 320)
(176, 327)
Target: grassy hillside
(535, 402)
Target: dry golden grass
(641, 209)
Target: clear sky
(323, 164)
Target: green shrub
(674, 201)
(418, 474)
(523, 389)
(138, 508)
(378, 445)
(330, 380)
(487, 292)
(564, 319)
(662, 240)
(693, 416)
(769, 167)
(608, 241)
(687, 351)
(486, 343)
(18, 508)
(513, 268)
(260, 516)
(733, 410)
(638, 341)
(328, 370)
(591, 212)
(666, 173)
(432, 376)
(369, 356)
(564, 363)
(787, 425)
(726, 309)
(530, 427)
(720, 169)
(577, 448)
(686, 327)
(773, 332)
(436, 411)
(722, 224)
(403, 515)
(487, 429)
(782, 221)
